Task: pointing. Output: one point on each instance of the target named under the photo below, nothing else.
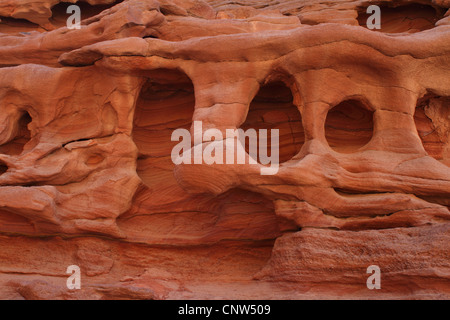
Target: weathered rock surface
(87, 179)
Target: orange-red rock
(86, 176)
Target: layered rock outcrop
(86, 170)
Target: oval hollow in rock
(59, 14)
(409, 18)
(16, 145)
(349, 126)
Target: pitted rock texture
(87, 179)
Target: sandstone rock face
(86, 170)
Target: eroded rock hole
(404, 18)
(249, 215)
(23, 135)
(432, 118)
(166, 103)
(60, 15)
(273, 108)
(349, 126)
(18, 26)
(14, 223)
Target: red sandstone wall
(87, 178)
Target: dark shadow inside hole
(3, 168)
(165, 11)
(15, 26)
(16, 145)
(349, 126)
(404, 18)
(273, 108)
